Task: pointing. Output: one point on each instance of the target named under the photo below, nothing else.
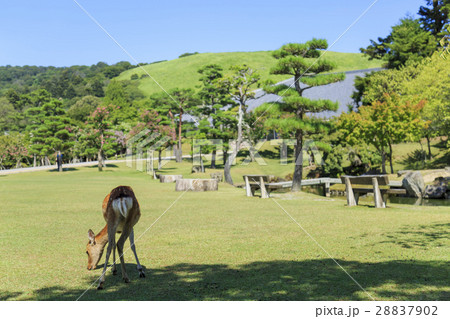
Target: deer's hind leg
(120, 243)
(114, 270)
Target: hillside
(182, 72)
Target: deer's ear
(91, 237)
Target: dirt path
(50, 167)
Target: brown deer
(121, 212)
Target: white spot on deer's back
(122, 205)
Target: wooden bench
(255, 182)
(380, 194)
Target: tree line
(86, 114)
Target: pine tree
(172, 108)
(407, 42)
(98, 132)
(435, 16)
(240, 87)
(186, 102)
(51, 129)
(214, 98)
(295, 113)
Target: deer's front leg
(133, 248)
(111, 245)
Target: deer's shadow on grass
(319, 279)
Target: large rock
(217, 176)
(196, 185)
(402, 172)
(414, 184)
(169, 178)
(438, 190)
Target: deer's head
(93, 250)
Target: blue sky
(59, 33)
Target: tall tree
(185, 104)
(50, 129)
(426, 80)
(214, 98)
(100, 123)
(432, 83)
(407, 42)
(435, 16)
(117, 95)
(83, 108)
(7, 113)
(155, 122)
(174, 108)
(383, 124)
(295, 112)
(13, 149)
(240, 85)
(375, 85)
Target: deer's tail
(121, 200)
(122, 205)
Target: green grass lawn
(406, 155)
(182, 72)
(216, 245)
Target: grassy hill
(182, 72)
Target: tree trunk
(100, 155)
(159, 159)
(178, 151)
(213, 159)
(227, 168)
(230, 160)
(390, 157)
(383, 161)
(430, 156)
(202, 167)
(252, 153)
(283, 152)
(298, 168)
(100, 161)
(423, 154)
(225, 155)
(239, 137)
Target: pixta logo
(141, 148)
